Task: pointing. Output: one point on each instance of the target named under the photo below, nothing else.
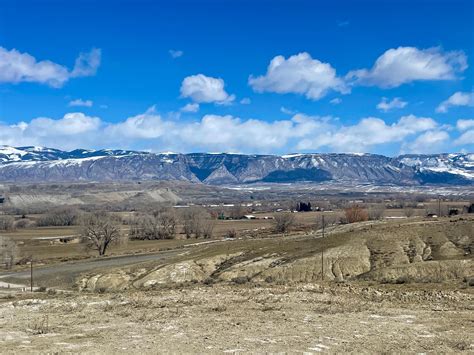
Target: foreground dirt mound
(412, 253)
(187, 271)
(229, 319)
(432, 271)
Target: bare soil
(305, 318)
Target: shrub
(231, 234)
(283, 222)
(356, 214)
(24, 223)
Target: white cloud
(175, 53)
(403, 65)
(457, 99)
(205, 89)
(194, 107)
(71, 124)
(228, 133)
(17, 67)
(71, 131)
(245, 101)
(463, 125)
(336, 101)
(80, 102)
(287, 111)
(386, 105)
(150, 130)
(299, 74)
(148, 125)
(428, 142)
(368, 132)
(467, 138)
(87, 63)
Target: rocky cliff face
(37, 164)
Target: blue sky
(386, 77)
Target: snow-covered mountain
(38, 164)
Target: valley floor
(390, 287)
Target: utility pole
(31, 274)
(322, 251)
(439, 206)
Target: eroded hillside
(416, 251)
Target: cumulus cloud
(205, 89)
(71, 131)
(299, 74)
(466, 127)
(386, 105)
(245, 101)
(193, 107)
(403, 65)
(336, 101)
(300, 132)
(467, 138)
(464, 124)
(174, 53)
(148, 125)
(80, 102)
(17, 67)
(367, 133)
(71, 124)
(428, 142)
(228, 133)
(457, 99)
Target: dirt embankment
(423, 252)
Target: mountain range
(39, 164)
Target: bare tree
(207, 228)
(237, 212)
(99, 231)
(356, 213)
(409, 212)
(197, 223)
(60, 217)
(283, 222)
(160, 225)
(8, 252)
(7, 223)
(376, 212)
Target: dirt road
(68, 271)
